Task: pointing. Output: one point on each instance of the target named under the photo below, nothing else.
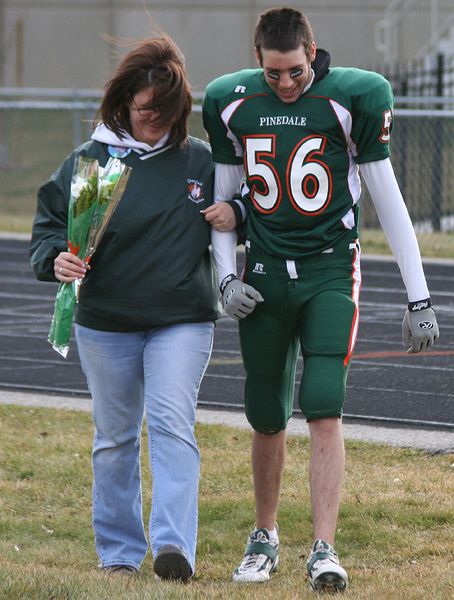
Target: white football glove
(238, 299)
(419, 327)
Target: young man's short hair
(284, 30)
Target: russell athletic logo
(259, 269)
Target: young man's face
(287, 73)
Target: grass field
(432, 245)
(395, 535)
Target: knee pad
(267, 408)
(323, 386)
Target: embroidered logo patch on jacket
(194, 188)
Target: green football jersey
(301, 159)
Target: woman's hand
(69, 267)
(220, 216)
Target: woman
(145, 319)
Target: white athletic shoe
(260, 559)
(324, 570)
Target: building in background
(59, 43)
(54, 60)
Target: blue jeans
(160, 371)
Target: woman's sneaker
(260, 559)
(324, 570)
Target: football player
(296, 134)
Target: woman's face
(143, 120)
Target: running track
(386, 385)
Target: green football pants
(312, 305)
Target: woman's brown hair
(158, 64)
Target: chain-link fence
(37, 131)
(422, 148)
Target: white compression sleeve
(395, 221)
(227, 179)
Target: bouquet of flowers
(95, 194)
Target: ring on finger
(60, 270)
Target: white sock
(272, 533)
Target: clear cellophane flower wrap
(95, 193)
(112, 181)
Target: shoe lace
(258, 536)
(323, 561)
(323, 553)
(251, 560)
